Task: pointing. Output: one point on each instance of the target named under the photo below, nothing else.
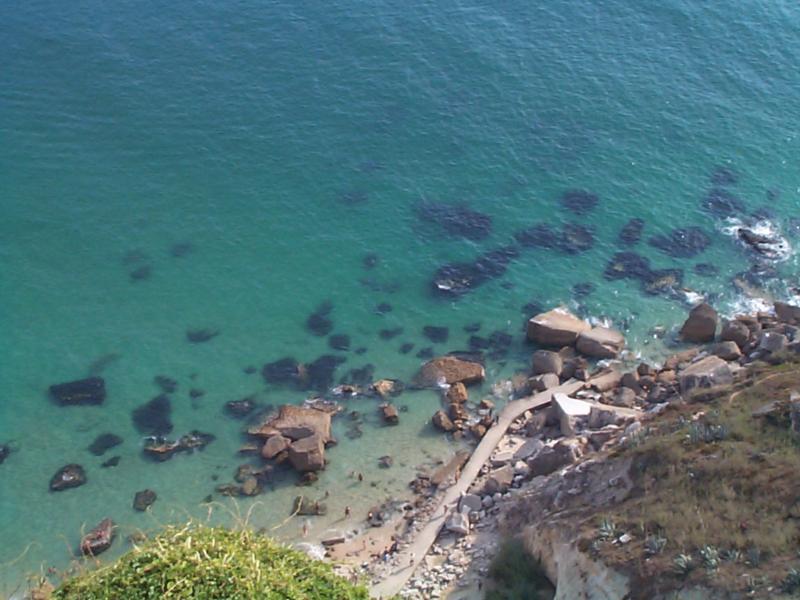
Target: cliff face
(574, 573)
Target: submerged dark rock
(572, 239)
(153, 418)
(406, 348)
(89, 391)
(98, 539)
(383, 308)
(455, 279)
(319, 325)
(456, 219)
(662, 281)
(425, 353)
(388, 334)
(339, 341)
(320, 372)
(360, 376)
(683, 242)
(582, 290)
(436, 334)
(706, 270)
(631, 232)
(141, 273)
(111, 462)
(477, 342)
(240, 408)
(370, 261)
(198, 336)
(540, 235)
(282, 371)
(721, 203)
(144, 500)
(578, 201)
(167, 384)
(722, 176)
(5, 452)
(181, 249)
(68, 476)
(576, 239)
(195, 393)
(472, 328)
(352, 197)
(104, 442)
(627, 265)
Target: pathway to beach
(412, 554)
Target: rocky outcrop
(556, 328)
(68, 476)
(600, 342)
(442, 422)
(389, 414)
(701, 326)
(89, 391)
(736, 332)
(727, 350)
(788, 313)
(449, 369)
(98, 539)
(295, 423)
(546, 361)
(274, 445)
(457, 393)
(144, 499)
(308, 453)
(708, 372)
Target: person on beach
(347, 511)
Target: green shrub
(208, 563)
(516, 575)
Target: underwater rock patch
(167, 384)
(104, 442)
(455, 279)
(383, 308)
(706, 270)
(144, 499)
(721, 203)
(582, 290)
(579, 201)
(627, 265)
(722, 176)
(282, 371)
(240, 408)
(320, 372)
(631, 232)
(160, 449)
(181, 249)
(436, 334)
(198, 336)
(456, 219)
(68, 476)
(662, 281)
(682, 242)
(406, 347)
(153, 418)
(141, 273)
(89, 391)
(370, 261)
(339, 341)
(388, 334)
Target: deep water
(232, 166)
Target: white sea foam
(775, 245)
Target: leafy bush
(516, 575)
(209, 563)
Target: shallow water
(279, 145)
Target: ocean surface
(233, 166)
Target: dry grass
(737, 491)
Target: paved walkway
(410, 556)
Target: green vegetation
(516, 575)
(206, 563)
(716, 492)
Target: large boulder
(546, 361)
(728, 350)
(389, 414)
(708, 372)
(98, 539)
(569, 411)
(601, 342)
(274, 445)
(442, 422)
(296, 423)
(556, 328)
(788, 313)
(736, 332)
(772, 341)
(308, 453)
(550, 459)
(457, 523)
(89, 391)
(68, 476)
(701, 326)
(451, 370)
(457, 393)
(499, 480)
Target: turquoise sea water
(280, 143)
